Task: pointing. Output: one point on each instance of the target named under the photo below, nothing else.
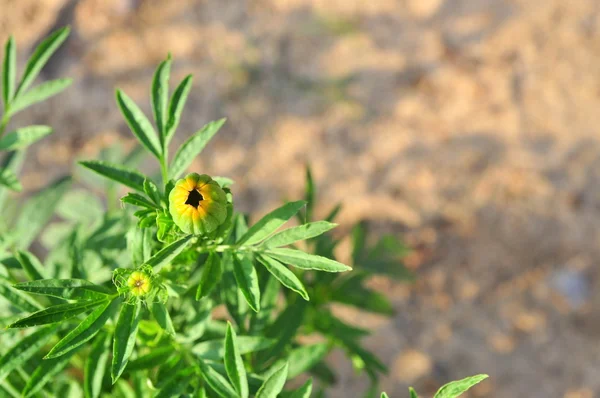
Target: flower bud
(139, 283)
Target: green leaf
(20, 300)
(295, 234)
(303, 260)
(139, 244)
(56, 313)
(303, 359)
(232, 296)
(234, 364)
(269, 223)
(176, 107)
(217, 382)
(151, 360)
(160, 98)
(247, 280)
(13, 161)
(178, 384)
(412, 392)
(30, 263)
(23, 137)
(70, 289)
(40, 56)
(456, 388)
(38, 94)
(168, 253)
(45, 372)
(86, 330)
(38, 210)
(162, 317)
(268, 303)
(9, 71)
(215, 350)
(211, 275)
(274, 384)
(127, 177)
(25, 349)
(124, 338)
(138, 123)
(152, 191)
(384, 395)
(9, 179)
(303, 392)
(136, 199)
(192, 147)
(95, 367)
(284, 329)
(284, 275)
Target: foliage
(127, 296)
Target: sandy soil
(467, 126)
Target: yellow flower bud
(139, 283)
(197, 204)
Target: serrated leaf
(38, 94)
(295, 234)
(168, 253)
(216, 381)
(247, 280)
(302, 260)
(215, 350)
(138, 123)
(9, 179)
(25, 349)
(69, 289)
(176, 107)
(284, 275)
(9, 71)
(211, 276)
(127, 177)
(86, 330)
(23, 137)
(274, 384)
(31, 265)
(457, 388)
(95, 367)
(162, 317)
(124, 337)
(56, 313)
(160, 97)
(45, 372)
(234, 364)
(270, 223)
(192, 147)
(40, 56)
(136, 199)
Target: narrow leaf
(216, 381)
(247, 280)
(274, 384)
(160, 97)
(456, 388)
(38, 94)
(9, 179)
(284, 275)
(384, 395)
(234, 364)
(95, 367)
(176, 107)
(295, 234)
(303, 260)
(138, 123)
(9, 71)
(168, 253)
(269, 223)
(191, 148)
(40, 56)
(45, 372)
(303, 392)
(20, 300)
(215, 350)
(86, 330)
(127, 177)
(23, 137)
(30, 263)
(70, 289)
(25, 349)
(124, 338)
(211, 276)
(151, 360)
(303, 359)
(412, 392)
(136, 199)
(162, 317)
(152, 191)
(56, 313)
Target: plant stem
(163, 169)
(4, 123)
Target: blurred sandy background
(469, 127)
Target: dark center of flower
(139, 283)
(194, 198)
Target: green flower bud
(197, 204)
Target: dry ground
(468, 126)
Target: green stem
(4, 123)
